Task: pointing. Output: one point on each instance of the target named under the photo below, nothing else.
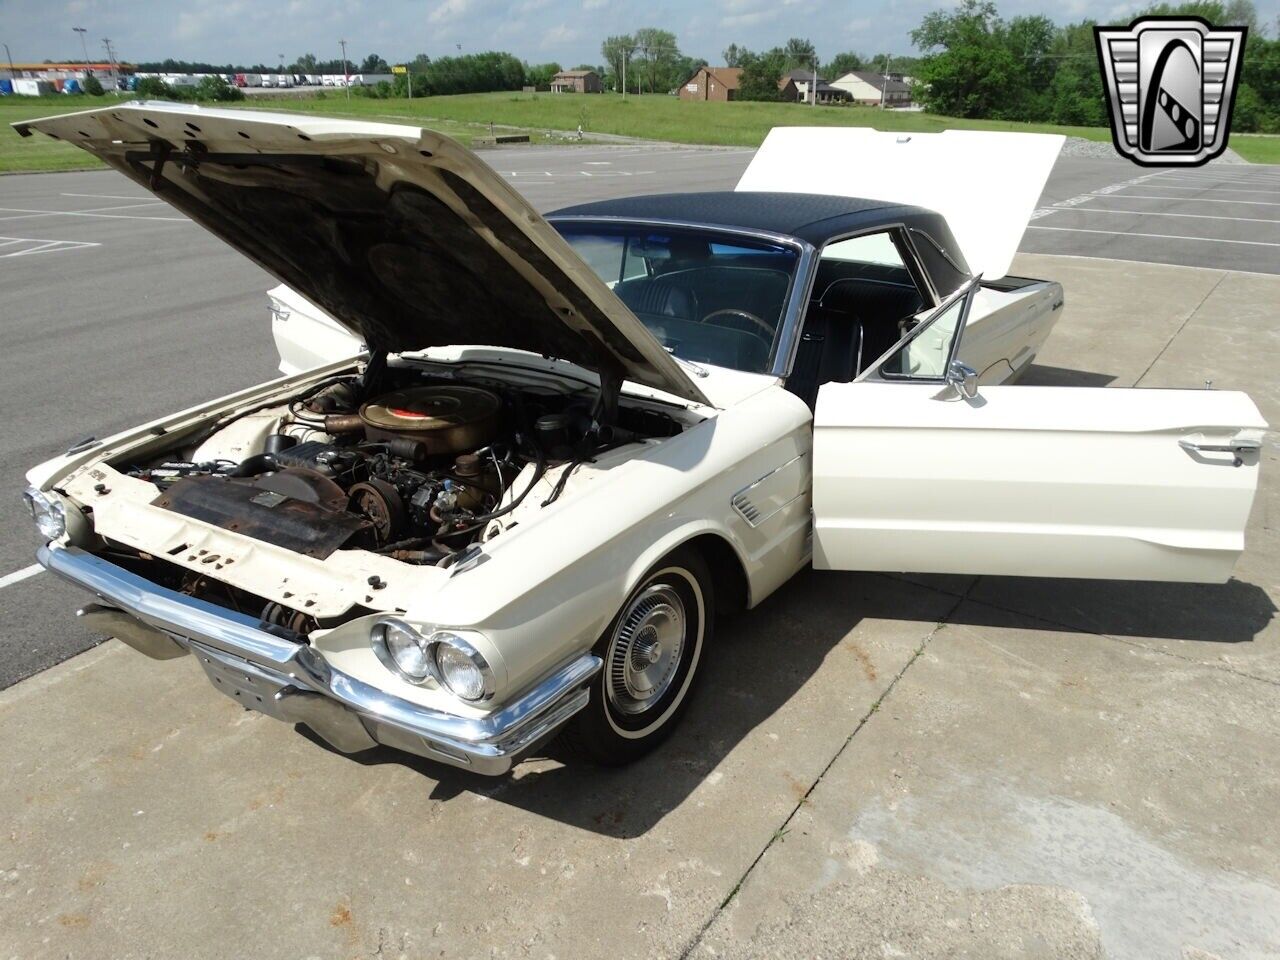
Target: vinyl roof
(814, 218)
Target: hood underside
(400, 233)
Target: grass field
(651, 117)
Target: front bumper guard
(294, 683)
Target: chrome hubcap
(644, 654)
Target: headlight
(461, 668)
(47, 511)
(445, 657)
(403, 649)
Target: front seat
(657, 299)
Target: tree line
(1027, 68)
(974, 63)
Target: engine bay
(394, 460)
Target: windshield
(707, 297)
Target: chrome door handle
(1236, 447)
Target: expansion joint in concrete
(781, 832)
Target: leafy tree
(373, 64)
(153, 88)
(660, 58)
(540, 74)
(1232, 13)
(306, 63)
(92, 86)
(616, 51)
(732, 55)
(985, 67)
(843, 63)
(213, 87)
(761, 73)
(799, 52)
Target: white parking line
(94, 212)
(1161, 186)
(40, 246)
(1153, 236)
(1247, 203)
(110, 196)
(1222, 183)
(1161, 213)
(18, 576)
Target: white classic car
(555, 450)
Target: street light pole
(115, 83)
(346, 70)
(83, 46)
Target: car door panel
(1033, 481)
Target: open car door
(306, 336)
(914, 469)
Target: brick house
(577, 81)
(712, 83)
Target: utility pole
(814, 102)
(624, 73)
(13, 74)
(346, 70)
(884, 81)
(83, 46)
(111, 59)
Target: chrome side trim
(746, 507)
(487, 744)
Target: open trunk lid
(404, 236)
(985, 184)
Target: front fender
(548, 588)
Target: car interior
(707, 298)
(707, 313)
(857, 310)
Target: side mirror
(963, 378)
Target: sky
(538, 31)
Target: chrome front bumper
(294, 683)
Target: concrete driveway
(875, 766)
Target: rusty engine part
(295, 508)
(380, 503)
(445, 419)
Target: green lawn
(19, 155)
(652, 117)
(40, 154)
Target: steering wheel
(762, 329)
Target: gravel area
(1105, 150)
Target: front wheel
(651, 653)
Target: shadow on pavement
(758, 662)
(763, 658)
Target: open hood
(986, 185)
(404, 236)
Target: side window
(927, 352)
(633, 264)
(873, 248)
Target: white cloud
(558, 36)
(449, 10)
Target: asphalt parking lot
(877, 766)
